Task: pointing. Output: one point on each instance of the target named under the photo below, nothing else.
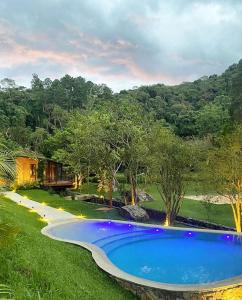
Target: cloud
(122, 42)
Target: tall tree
(225, 166)
(132, 127)
(170, 160)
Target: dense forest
(29, 116)
(158, 133)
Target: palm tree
(7, 231)
(7, 165)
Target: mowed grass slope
(37, 267)
(73, 206)
(218, 213)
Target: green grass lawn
(37, 267)
(221, 214)
(72, 206)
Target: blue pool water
(158, 254)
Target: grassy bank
(220, 214)
(76, 207)
(36, 267)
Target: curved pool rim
(104, 263)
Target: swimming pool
(155, 255)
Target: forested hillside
(29, 116)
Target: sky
(122, 43)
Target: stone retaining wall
(160, 216)
(149, 293)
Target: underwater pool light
(227, 237)
(189, 234)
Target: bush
(28, 186)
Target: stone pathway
(47, 213)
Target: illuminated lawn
(37, 267)
(220, 214)
(72, 206)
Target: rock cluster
(134, 212)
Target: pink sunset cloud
(120, 43)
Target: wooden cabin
(26, 170)
(55, 176)
(48, 172)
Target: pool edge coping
(105, 264)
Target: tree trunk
(111, 193)
(88, 173)
(77, 181)
(125, 200)
(133, 190)
(167, 220)
(81, 180)
(236, 208)
(170, 218)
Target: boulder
(83, 197)
(143, 196)
(134, 212)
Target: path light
(32, 210)
(44, 220)
(25, 197)
(81, 217)
(43, 203)
(60, 208)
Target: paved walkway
(49, 214)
